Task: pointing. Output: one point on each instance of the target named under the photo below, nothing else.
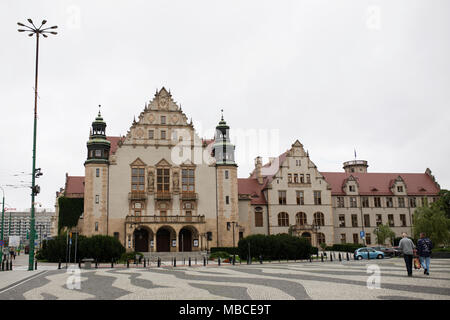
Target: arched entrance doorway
(163, 240)
(307, 236)
(185, 240)
(140, 240)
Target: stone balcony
(165, 219)
(189, 196)
(137, 195)
(163, 196)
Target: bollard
(7, 266)
(340, 258)
(96, 265)
(310, 260)
(234, 259)
(195, 260)
(260, 259)
(184, 261)
(174, 262)
(10, 265)
(145, 263)
(321, 257)
(331, 257)
(348, 257)
(59, 264)
(204, 261)
(159, 262)
(79, 263)
(35, 265)
(189, 261)
(3, 265)
(112, 263)
(128, 263)
(219, 261)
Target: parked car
(397, 251)
(363, 253)
(389, 252)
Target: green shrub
(220, 254)
(99, 247)
(126, 256)
(346, 247)
(273, 247)
(230, 250)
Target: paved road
(300, 281)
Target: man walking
(424, 246)
(407, 247)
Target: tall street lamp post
(35, 189)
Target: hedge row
(280, 246)
(229, 250)
(100, 247)
(344, 247)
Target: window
(188, 180)
(163, 119)
(283, 219)
(355, 238)
(226, 174)
(300, 218)
(151, 134)
(351, 188)
(97, 198)
(297, 163)
(341, 220)
(163, 215)
(365, 202)
(96, 226)
(320, 238)
(354, 220)
(353, 202)
(308, 178)
(227, 199)
(137, 213)
(343, 238)
(424, 201)
(188, 216)
(319, 219)
(258, 217)
(391, 220)
(162, 180)
(412, 202)
(377, 202)
(302, 178)
(300, 198)
(400, 189)
(366, 220)
(379, 219)
(97, 172)
(368, 238)
(389, 202)
(401, 202)
(295, 178)
(403, 220)
(281, 197)
(163, 134)
(317, 197)
(137, 179)
(340, 202)
(98, 153)
(289, 178)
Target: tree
(433, 222)
(383, 232)
(443, 202)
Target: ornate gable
(138, 163)
(163, 163)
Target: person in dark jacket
(424, 246)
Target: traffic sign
(362, 234)
(1, 243)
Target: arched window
(320, 238)
(319, 219)
(300, 218)
(283, 219)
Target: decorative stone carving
(151, 118)
(151, 180)
(139, 133)
(174, 119)
(175, 181)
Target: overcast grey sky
(337, 75)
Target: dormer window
(351, 188)
(400, 189)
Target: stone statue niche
(176, 187)
(151, 181)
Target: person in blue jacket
(424, 246)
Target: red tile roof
(74, 187)
(114, 143)
(251, 187)
(372, 183)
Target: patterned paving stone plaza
(347, 280)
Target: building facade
(161, 188)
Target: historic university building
(162, 188)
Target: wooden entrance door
(163, 240)
(141, 240)
(185, 240)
